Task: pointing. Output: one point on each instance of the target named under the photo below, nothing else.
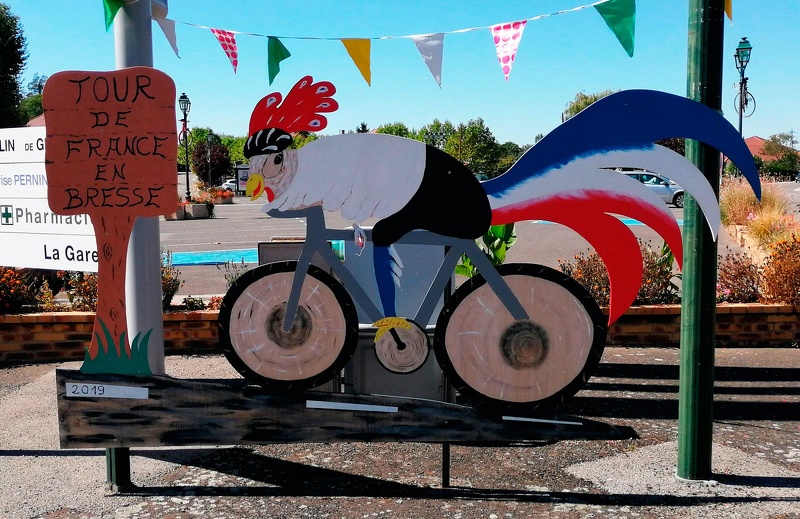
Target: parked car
(669, 191)
(229, 185)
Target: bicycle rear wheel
(320, 343)
(506, 364)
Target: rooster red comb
(300, 111)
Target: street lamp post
(211, 139)
(742, 57)
(185, 105)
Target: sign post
(112, 152)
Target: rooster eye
(278, 159)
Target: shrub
(589, 271)
(81, 290)
(233, 271)
(494, 244)
(738, 205)
(170, 280)
(738, 279)
(16, 290)
(46, 301)
(781, 273)
(769, 225)
(657, 286)
(215, 303)
(194, 303)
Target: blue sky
(558, 57)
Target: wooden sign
(111, 152)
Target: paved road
(242, 225)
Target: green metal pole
(133, 47)
(698, 313)
(118, 469)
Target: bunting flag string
(619, 15)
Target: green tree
(12, 63)
(212, 167)
(36, 85)
(221, 166)
(581, 101)
(787, 161)
(436, 133)
(235, 147)
(509, 153)
(396, 128)
(303, 138)
(474, 145)
(31, 107)
(676, 144)
(362, 128)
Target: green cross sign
(6, 215)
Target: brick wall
(52, 337)
(738, 325)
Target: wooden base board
(104, 410)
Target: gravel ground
(756, 458)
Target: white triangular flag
(430, 47)
(168, 28)
(160, 10)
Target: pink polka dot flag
(506, 40)
(228, 41)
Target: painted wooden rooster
(566, 178)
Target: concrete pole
(698, 312)
(134, 47)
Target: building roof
(36, 121)
(756, 146)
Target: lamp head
(742, 55)
(184, 104)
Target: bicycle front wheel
(319, 344)
(506, 364)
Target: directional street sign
(31, 235)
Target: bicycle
(521, 336)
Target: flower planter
(227, 200)
(196, 211)
(179, 214)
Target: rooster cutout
(566, 178)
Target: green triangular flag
(276, 53)
(620, 16)
(111, 7)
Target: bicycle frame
(318, 235)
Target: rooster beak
(255, 186)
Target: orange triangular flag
(359, 50)
(729, 9)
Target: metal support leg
(445, 465)
(118, 468)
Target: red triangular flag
(506, 41)
(228, 41)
